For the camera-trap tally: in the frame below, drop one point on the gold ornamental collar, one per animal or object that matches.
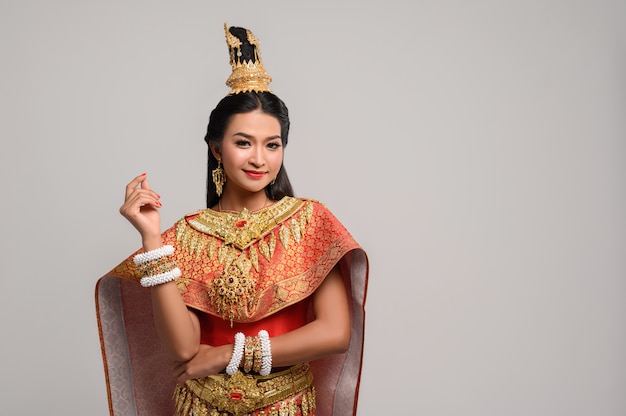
(241, 229)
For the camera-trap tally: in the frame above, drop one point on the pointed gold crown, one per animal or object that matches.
(247, 75)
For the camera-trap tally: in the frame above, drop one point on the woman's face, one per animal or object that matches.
(251, 152)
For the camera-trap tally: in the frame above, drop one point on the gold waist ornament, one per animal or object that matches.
(242, 394)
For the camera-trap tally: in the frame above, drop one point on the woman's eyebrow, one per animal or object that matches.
(249, 136)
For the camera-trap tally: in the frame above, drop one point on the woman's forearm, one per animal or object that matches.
(308, 343)
(177, 327)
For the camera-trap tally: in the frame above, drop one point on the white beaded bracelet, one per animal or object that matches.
(266, 353)
(155, 254)
(159, 279)
(235, 359)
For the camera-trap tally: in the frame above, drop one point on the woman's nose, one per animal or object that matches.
(256, 158)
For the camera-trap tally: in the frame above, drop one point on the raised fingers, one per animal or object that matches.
(138, 195)
(134, 183)
(140, 186)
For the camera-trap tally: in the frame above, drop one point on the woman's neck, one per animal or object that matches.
(252, 202)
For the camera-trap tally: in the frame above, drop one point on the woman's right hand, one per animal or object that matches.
(141, 206)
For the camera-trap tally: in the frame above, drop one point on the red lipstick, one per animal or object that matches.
(254, 174)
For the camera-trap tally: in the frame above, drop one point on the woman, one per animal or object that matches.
(246, 293)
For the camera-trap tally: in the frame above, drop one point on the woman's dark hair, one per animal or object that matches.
(240, 103)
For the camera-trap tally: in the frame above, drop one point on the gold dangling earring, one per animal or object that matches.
(275, 177)
(219, 179)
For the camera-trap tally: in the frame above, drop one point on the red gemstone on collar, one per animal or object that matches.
(236, 396)
(241, 223)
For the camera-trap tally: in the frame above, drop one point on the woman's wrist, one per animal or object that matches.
(226, 354)
(152, 242)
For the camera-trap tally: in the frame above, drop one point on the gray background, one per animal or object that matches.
(474, 148)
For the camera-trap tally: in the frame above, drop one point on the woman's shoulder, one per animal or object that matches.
(319, 210)
(315, 205)
(312, 201)
(193, 214)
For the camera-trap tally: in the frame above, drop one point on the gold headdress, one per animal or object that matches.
(247, 75)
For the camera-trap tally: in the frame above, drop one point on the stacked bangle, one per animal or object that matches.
(159, 279)
(258, 356)
(155, 254)
(248, 357)
(156, 266)
(251, 354)
(235, 359)
(266, 353)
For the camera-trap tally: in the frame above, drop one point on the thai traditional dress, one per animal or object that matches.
(241, 272)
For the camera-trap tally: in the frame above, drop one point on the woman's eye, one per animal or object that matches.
(242, 143)
(273, 145)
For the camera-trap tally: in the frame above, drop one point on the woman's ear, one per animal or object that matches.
(216, 151)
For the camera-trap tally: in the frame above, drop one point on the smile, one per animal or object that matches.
(254, 174)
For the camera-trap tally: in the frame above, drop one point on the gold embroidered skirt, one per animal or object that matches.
(286, 393)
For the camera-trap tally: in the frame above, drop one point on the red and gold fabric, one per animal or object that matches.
(242, 272)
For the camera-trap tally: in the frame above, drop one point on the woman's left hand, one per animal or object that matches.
(208, 361)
